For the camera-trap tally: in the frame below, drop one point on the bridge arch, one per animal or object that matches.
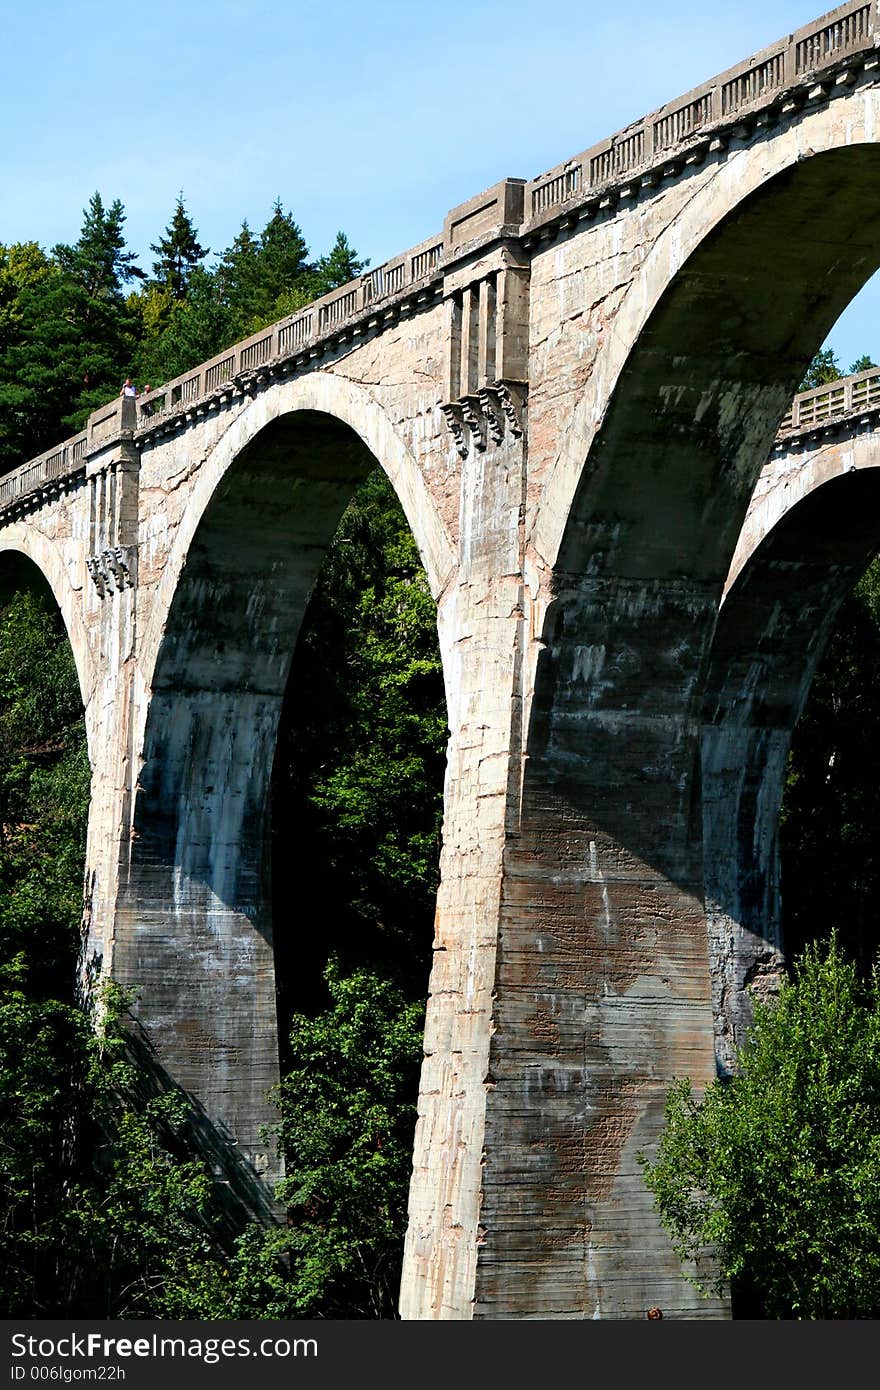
(603, 920)
(816, 293)
(337, 398)
(803, 467)
(801, 552)
(19, 538)
(193, 925)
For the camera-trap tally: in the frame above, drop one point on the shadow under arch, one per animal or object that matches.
(772, 631)
(604, 971)
(24, 550)
(194, 931)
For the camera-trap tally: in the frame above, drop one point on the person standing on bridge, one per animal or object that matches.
(128, 388)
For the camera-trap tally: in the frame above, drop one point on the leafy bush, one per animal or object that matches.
(773, 1178)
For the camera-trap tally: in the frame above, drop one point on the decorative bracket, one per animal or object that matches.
(512, 398)
(490, 400)
(115, 563)
(495, 410)
(471, 409)
(98, 576)
(110, 570)
(455, 422)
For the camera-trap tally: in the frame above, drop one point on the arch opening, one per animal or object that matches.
(829, 878)
(251, 885)
(44, 784)
(360, 760)
(773, 630)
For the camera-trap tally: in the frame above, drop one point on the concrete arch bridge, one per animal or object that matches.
(578, 391)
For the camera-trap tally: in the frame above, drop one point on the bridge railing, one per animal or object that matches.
(38, 473)
(847, 396)
(298, 333)
(827, 45)
(741, 90)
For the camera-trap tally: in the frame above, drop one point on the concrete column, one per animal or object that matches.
(480, 621)
(602, 982)
(193, 928)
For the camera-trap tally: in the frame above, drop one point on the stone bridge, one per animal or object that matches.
(576, 390)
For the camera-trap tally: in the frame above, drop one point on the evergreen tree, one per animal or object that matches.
(861, 364)
(99, 262)
(182, 333)
(823, 369)
(179, 252)
(340, 266)
(826, 368)
(73, 340)
(263, 278)
(23, 268)
(237, 276)
(283, 253)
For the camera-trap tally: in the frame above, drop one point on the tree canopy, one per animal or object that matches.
(73, 326)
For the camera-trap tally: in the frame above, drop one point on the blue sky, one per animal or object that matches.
(371, 118)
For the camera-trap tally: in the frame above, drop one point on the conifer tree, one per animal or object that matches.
(237, 276)
(74, 336)
(823, 369)
(262, 278)
(340, 266)
(179, 252)
(283, 253)
(99, 262)
(861, 364)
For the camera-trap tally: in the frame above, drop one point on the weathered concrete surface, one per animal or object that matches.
(572, 399)
(809, 534)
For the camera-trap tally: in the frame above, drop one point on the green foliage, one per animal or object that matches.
(260, 279)
(108, 1203)
(69, 332)
(180, 333)
(824, 368)
(44, 788)
(359, 772)
(348, 1107)
(22, 266)
(775, 1175)
(104, 1206)
(861, 364)
(108, 1208)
